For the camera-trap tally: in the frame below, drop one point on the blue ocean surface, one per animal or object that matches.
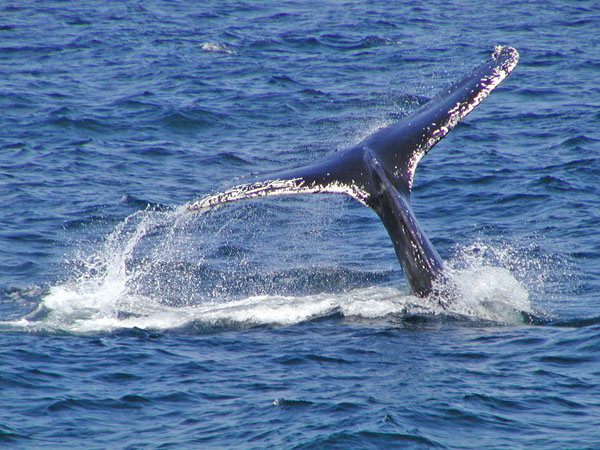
(127, 321)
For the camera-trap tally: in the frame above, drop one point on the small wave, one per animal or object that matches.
(282, 80)
(265, 43)
(375, 41)
(578, 141)
(284, 402)
(226, 159)
(370, 439)
(519, 198)
(347, 42)
(84, 123)
(216, 47)
(313, 92)
(308, 41)
(9, 435)
(577, 164)
(187, 119)
(574, 323)
(538, 92)
(277, 16)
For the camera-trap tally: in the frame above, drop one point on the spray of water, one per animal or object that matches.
(158, 270)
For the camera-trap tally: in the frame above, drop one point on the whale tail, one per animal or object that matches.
(379, 171)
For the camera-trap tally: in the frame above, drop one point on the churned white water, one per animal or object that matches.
(119, 286)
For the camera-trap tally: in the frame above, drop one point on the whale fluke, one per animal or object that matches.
(379, 171)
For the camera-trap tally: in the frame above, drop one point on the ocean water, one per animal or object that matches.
(128, 322)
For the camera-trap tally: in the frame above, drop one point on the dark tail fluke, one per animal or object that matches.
(379, 171)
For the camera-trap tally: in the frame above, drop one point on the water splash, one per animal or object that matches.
(157, 270)
(216, 47)
(498, 280)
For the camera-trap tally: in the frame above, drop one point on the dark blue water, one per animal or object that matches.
(128, 322)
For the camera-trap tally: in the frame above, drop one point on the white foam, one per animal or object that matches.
(217, 47)
(78, 312)
(492, 281)
(490, 293)
(104, 295)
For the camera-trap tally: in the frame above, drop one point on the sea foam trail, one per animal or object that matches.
(119, 286)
